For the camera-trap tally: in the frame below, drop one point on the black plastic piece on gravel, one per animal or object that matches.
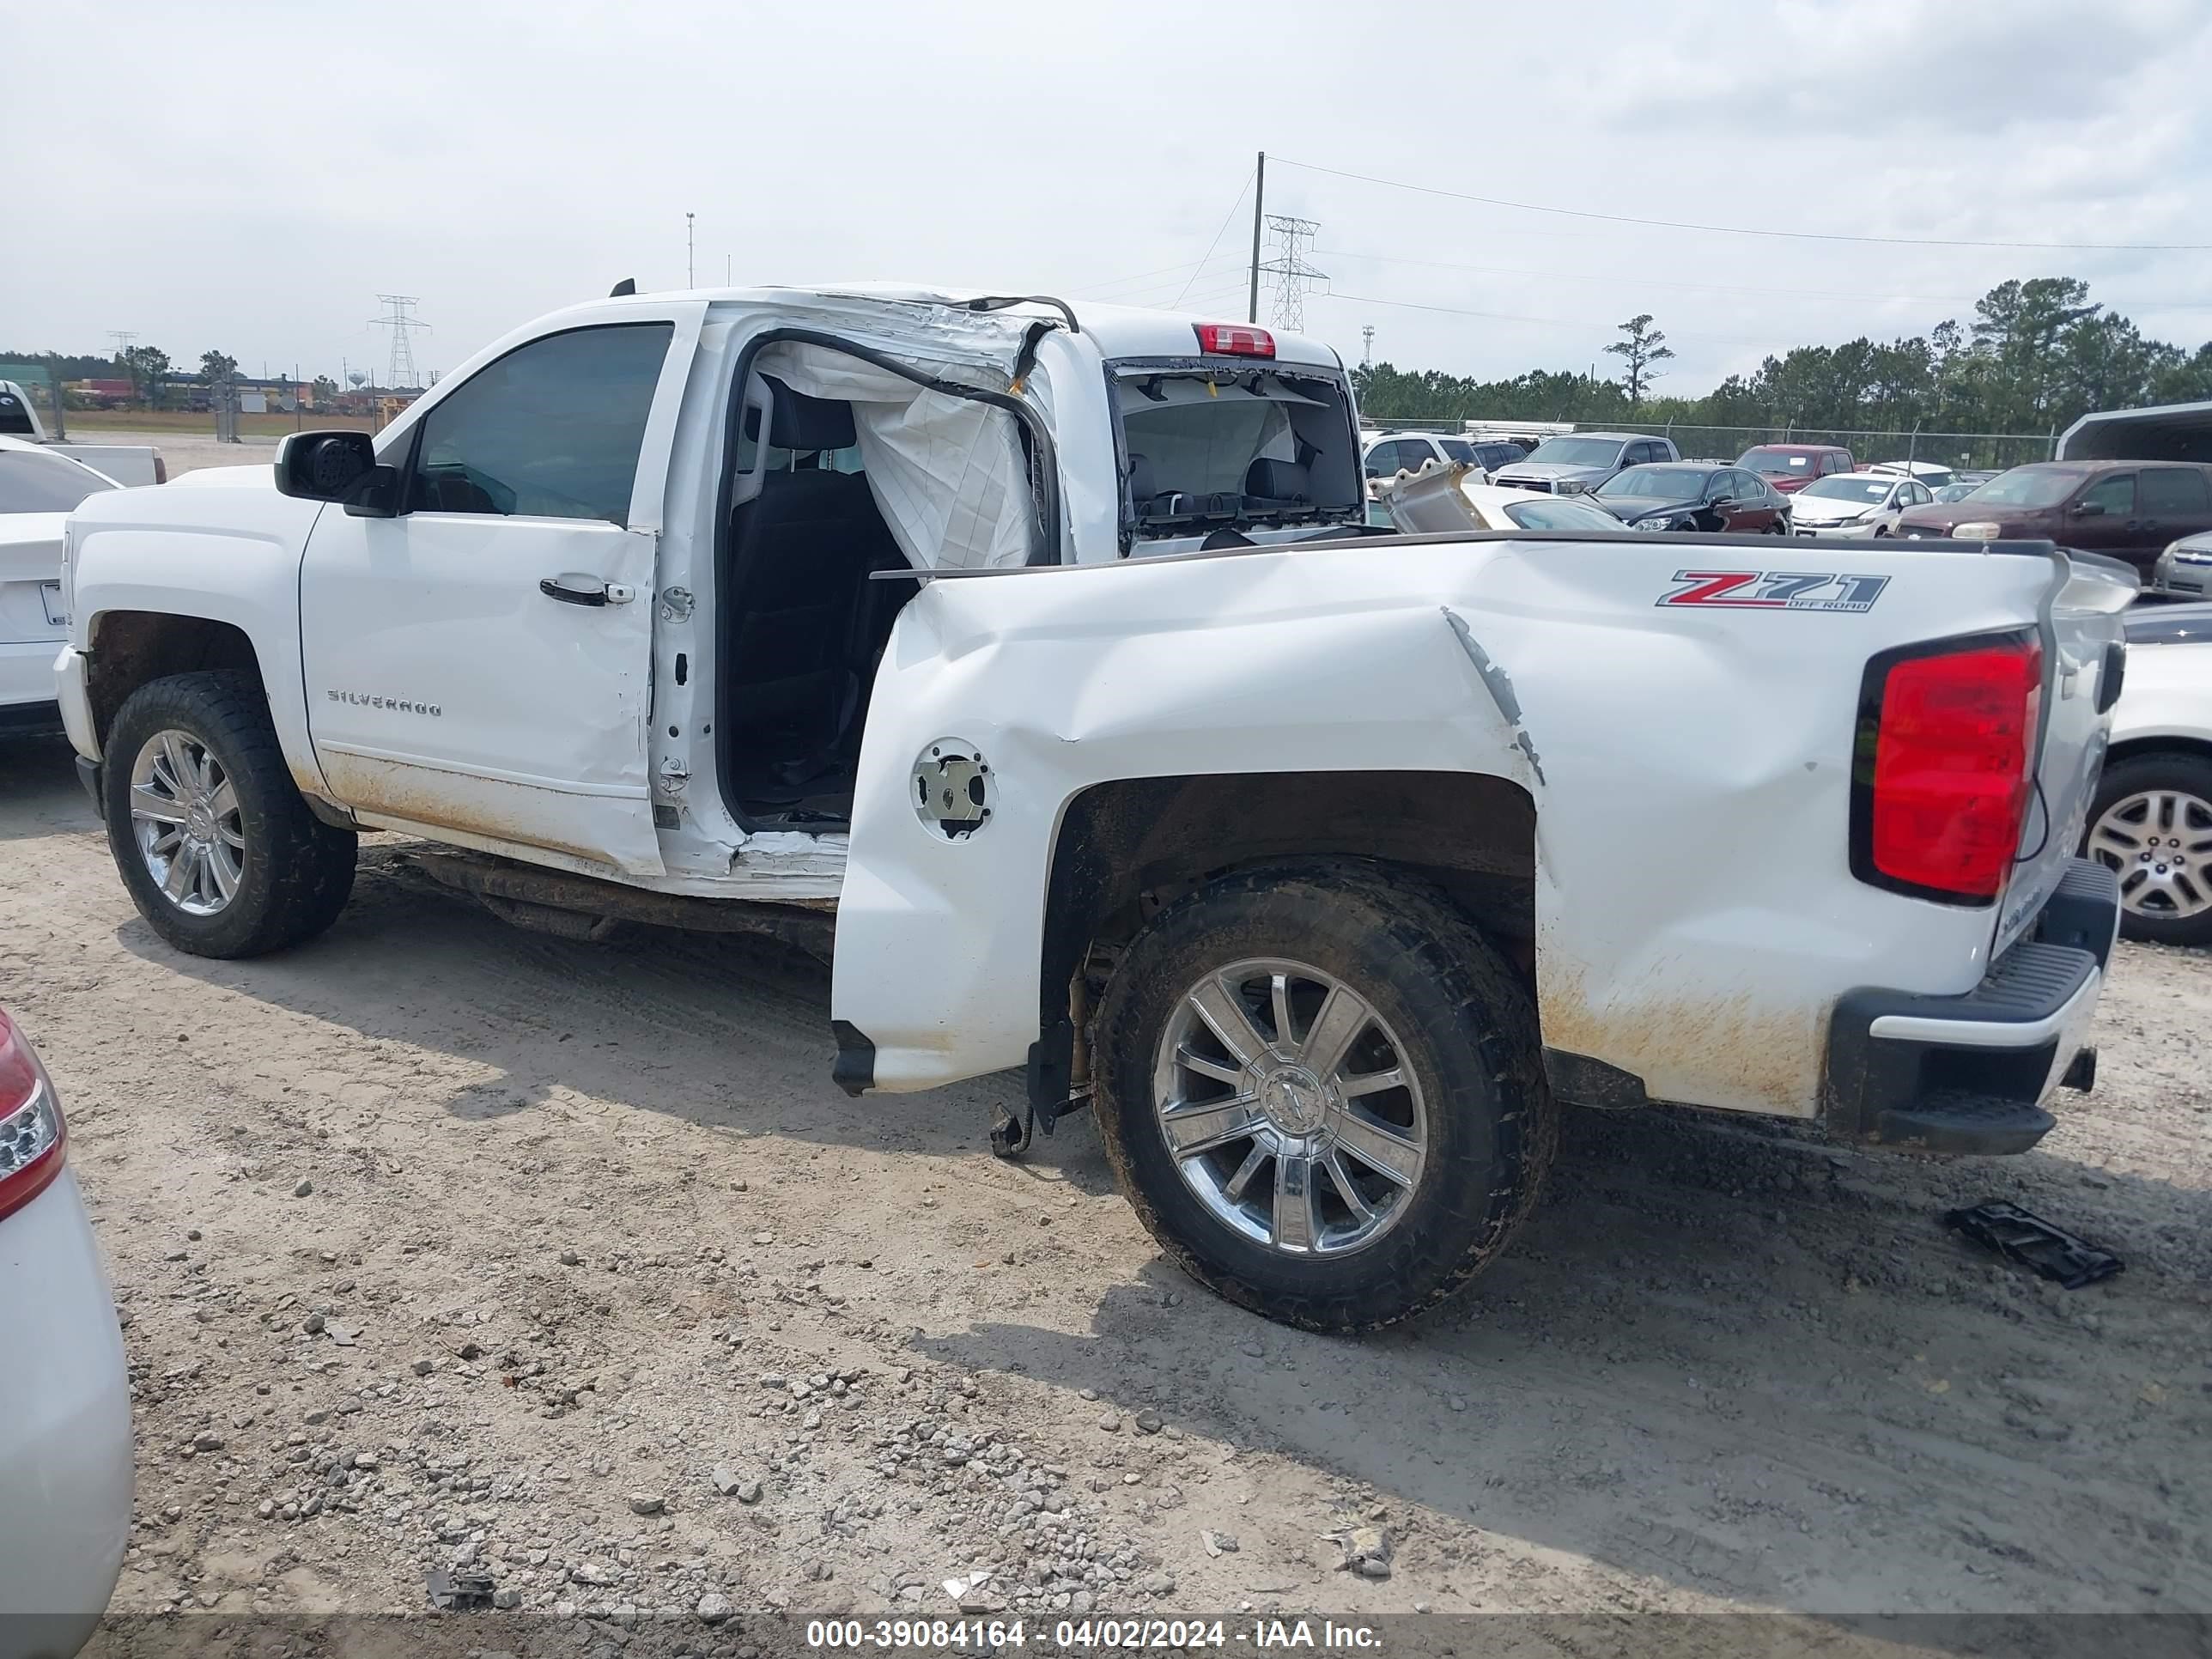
(2056, 1253)
(457, 1592)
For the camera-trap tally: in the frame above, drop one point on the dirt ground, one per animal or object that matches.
(442, 1245)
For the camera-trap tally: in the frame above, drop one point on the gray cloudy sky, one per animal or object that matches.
(249, 176)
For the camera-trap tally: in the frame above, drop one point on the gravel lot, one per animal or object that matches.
(183, 452)
(444, 1245)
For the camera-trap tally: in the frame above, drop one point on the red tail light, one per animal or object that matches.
(1946, 765)
(1234, 340)
(31, 1132)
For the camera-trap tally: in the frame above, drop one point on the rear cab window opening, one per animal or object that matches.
(1236, 443)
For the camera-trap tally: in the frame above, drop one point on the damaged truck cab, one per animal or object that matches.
(1035, 657)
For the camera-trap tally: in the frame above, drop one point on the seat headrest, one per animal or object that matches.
(798, 421)
(1278, 481)
(1141, 483)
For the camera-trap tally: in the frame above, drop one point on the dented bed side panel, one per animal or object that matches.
(1696, 913)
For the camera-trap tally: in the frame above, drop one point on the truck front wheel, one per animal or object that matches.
(217, 847)
(1323, 1093)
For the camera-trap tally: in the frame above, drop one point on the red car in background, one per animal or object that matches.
(1790, 467)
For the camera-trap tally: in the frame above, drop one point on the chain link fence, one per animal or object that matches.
(1993, 450)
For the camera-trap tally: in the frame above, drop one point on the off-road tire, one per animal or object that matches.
(297, 871)
(1465, 1025)
(2177, 770)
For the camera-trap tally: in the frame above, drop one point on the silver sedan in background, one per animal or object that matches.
(2185, 569)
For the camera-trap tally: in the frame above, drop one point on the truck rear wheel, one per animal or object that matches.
(216, 845)
(1323, 1093)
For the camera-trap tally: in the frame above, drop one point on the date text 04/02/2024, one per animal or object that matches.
(1078, 1636)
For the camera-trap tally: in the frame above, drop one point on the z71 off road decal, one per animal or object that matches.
(1775, 590)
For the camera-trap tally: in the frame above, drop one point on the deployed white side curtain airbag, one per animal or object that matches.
(947, 473)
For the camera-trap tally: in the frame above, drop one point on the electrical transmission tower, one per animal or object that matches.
(400, 319)
(1289, 268)
(123, 338)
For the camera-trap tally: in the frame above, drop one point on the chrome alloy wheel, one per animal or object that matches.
(2160, 841)
(184, 819)
(1287, 1106)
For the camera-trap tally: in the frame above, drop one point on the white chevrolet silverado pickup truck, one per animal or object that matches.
(1035, 657)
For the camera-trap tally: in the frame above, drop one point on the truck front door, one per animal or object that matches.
(479, 664)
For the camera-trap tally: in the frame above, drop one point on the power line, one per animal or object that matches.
(1149, 282)
(1210, 283)
(1139, 276)
(1742, 230)
(1216, 242)
(1508, 316)
(1723, 288)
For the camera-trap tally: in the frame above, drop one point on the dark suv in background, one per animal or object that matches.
(2127, 510)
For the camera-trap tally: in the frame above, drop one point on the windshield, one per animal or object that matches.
(1661, 483)
(1778, 463)
(1458, 449)
(1271, 447)
(1578, 452)
(1560, 512)
(2028, 486)
(31, 482)
(1849, 486)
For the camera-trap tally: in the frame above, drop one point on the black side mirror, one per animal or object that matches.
(338, 467)
(2089, 509)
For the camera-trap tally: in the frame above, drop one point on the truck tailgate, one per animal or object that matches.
(2083, 651)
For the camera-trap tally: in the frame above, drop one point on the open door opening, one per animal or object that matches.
(843, 462)
(803, 623)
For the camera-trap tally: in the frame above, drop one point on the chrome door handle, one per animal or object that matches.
(575, 587)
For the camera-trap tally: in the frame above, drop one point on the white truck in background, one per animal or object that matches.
(126, 464)
(39, 489)
(1035, 658)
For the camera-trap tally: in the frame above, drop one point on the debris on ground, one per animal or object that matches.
(2030, 1240)
(1363, 1550)
(459, 1592)
(973, 1593)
